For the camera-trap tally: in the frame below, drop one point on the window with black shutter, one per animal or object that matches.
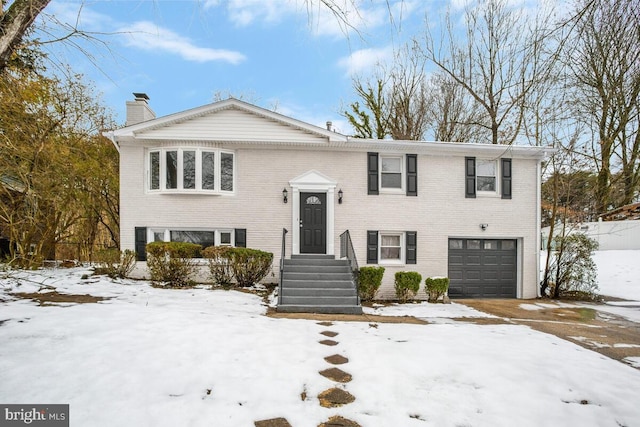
(411, 247)
(141, 243)
(412, 174)
(372, 247)
(506, 178)
(241, 237)
(470, 177)
(372, 174)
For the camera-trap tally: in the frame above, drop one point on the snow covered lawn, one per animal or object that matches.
(155, 357)
(619, 273)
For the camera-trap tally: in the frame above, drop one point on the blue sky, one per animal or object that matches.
(289, 55)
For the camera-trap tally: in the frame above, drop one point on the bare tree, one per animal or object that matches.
(14, 24)
(499, 62)
(408, 96)
(452, 114)
(371, 118)
(605, 71)
(394, 100)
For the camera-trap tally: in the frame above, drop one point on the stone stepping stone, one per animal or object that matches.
(325, 323)
(335, 397)
(338, 421)
(335, 374)
(328, 342)
(274, 422)
(336, 359)
(329, 333)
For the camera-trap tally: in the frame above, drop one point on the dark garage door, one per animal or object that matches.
(482, 268)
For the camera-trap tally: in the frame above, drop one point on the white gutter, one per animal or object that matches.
(112, 138)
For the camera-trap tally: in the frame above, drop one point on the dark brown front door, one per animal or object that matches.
(313, 223)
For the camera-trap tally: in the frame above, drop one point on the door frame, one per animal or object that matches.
(312, 182)
(304, 195)
(519, 256)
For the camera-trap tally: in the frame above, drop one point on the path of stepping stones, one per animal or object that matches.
(335, 396)
(331, 398)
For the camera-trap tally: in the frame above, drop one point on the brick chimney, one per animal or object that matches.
(138, 110)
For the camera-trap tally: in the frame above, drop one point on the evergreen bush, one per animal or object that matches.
(436, 287)
(219, 258)
(407, 284)
(574, 273)
(369, 281)
(249, 266)
(172, 263)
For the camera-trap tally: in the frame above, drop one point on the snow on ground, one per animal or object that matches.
(159, 357)
(425, 310)
(619, 273)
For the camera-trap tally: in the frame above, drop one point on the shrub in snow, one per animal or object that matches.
(407, 284)
(436, 287)
(219, 258)
(114, 263)
(572, 271)
(249, 266)
(172, 263)
(369, 281)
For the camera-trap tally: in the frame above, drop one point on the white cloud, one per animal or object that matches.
(148, 36)
(346, 17)
(243, 13)
(362, 60)
(349, 17)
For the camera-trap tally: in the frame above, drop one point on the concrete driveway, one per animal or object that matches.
(611, 328)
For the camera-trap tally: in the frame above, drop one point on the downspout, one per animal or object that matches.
(112, 139)
(538, 223)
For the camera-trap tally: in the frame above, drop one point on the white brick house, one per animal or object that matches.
(218, 174)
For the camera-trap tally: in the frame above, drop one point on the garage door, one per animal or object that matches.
(482, 268)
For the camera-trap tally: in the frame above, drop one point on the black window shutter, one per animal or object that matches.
(411, 247)
(372, 247)
(372, 173)
(412, 174)
(241, 237)
(506, 178)
(141, 243)
(470, 177)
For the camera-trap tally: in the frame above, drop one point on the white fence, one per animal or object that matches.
(610, 235)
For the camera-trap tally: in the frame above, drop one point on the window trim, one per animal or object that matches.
(162, 182)
(403, 174)
(495, 191)
(403, 248)
(503, 175)
(166, 232)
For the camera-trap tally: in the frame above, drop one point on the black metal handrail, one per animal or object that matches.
(347, 251)
(283, 254)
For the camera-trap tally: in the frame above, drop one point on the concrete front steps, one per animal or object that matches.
(318, 284)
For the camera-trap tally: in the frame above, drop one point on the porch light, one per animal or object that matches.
(285, 193)
(340, 196)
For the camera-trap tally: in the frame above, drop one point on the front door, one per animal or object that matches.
(313, 223)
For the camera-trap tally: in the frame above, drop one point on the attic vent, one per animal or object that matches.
(329, 125)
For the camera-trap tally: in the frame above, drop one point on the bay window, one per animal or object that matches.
(191, 170)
